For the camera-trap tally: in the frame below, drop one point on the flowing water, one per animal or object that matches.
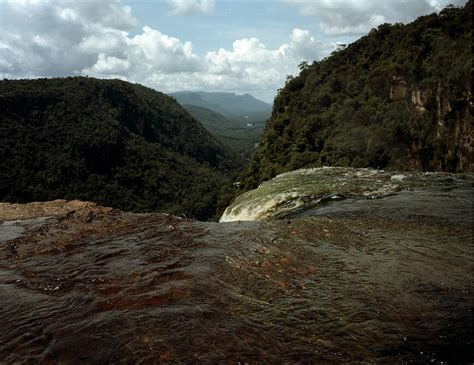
(290, 194)
(376, 269)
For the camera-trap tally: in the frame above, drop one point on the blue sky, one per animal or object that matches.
(269, 21)
(174, 45)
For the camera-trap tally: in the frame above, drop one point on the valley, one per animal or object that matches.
(237, 121)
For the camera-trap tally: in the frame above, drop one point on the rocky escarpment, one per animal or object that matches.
(399, 98)
(452, 117)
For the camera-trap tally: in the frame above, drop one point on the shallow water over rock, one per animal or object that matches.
(95, 285)
(339, 189)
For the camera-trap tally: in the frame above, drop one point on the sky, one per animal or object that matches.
(237, 46)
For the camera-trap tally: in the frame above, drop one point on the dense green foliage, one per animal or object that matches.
(108, 141)
(240, 136)
(235, 107)
(397, 98)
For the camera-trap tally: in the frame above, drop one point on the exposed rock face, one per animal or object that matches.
(398, 88)
(436, 101)
(9, 211)
(419, 99)
(465, 134)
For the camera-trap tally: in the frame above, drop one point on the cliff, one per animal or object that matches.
(398, 98)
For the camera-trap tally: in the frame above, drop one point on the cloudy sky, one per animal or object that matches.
(171, 45)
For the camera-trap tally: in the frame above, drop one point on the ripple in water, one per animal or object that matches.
(346, 286)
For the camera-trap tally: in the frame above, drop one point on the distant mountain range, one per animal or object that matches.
(242, 137)
(236, 120)
(236, 107)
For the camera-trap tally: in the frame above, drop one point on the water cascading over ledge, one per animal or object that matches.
(327, 189)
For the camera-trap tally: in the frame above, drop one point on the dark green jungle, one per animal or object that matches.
(108, 141)
(399, 98)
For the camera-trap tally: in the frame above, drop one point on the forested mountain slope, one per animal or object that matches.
(398, 98)
(112, 142)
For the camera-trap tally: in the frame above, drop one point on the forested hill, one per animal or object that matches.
(109, 141)
(397, 98)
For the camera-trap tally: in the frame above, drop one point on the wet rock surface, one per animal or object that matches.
(11, 211)
(96, 285)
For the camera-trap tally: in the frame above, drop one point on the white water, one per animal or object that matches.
(310, 188)
(258, 209)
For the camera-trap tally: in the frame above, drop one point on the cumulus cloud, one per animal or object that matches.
(46, 39)
(164, 53)
(109, 41)
(340, 17)
(42, 38)
(107, 65)
(61, 38)
(250, 64)
(192, 7)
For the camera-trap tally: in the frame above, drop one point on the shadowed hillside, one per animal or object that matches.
(118, 144)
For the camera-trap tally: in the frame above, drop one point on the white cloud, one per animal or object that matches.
(250, 54)
(335, 28)
(164, 53)
(47, 39)
(306, 47)
(339, 17)
(108, 65)
(61, 38)
(106, 13)
(192, 7)
(440, 4)
(109, 41)
(251, 66)
(43, 38)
